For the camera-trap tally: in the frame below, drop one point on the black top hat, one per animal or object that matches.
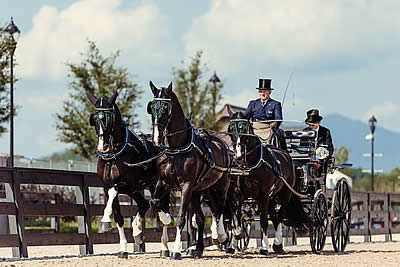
(264, 84)
(313, 116)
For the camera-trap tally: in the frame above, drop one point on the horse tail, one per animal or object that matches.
(297, 217)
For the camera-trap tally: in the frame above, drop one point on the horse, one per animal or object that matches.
(117, 144)
(270, 170)
(193, 164)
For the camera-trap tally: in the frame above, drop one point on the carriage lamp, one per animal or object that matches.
(372, 122)
(13, 33)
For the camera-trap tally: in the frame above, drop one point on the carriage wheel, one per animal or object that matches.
(244, 242)
(320, 222)
(341, 215)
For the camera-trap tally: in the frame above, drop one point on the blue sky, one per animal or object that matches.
(344, 54)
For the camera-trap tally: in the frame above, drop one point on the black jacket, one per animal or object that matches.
(325, 138)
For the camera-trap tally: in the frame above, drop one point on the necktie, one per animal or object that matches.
(263, 103)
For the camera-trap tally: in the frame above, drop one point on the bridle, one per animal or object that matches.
(241, 126)
(109, 115)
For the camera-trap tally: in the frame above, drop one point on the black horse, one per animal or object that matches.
(116, 145)
(268, 169)
(193, 164)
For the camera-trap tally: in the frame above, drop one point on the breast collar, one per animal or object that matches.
(114, 155)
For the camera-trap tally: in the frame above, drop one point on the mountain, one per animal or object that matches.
(351, 134)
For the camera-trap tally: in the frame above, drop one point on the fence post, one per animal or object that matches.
(55, 221)
(84, 222)
(16, 223)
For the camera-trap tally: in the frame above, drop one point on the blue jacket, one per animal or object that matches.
(272, 110)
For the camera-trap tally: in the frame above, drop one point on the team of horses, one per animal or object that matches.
(179, 158)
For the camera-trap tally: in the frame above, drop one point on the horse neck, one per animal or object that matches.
(119, 130)
(177, 122)
(255, 154)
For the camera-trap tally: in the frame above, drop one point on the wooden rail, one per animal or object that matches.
(372, 213)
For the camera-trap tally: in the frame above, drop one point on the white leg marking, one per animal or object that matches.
(178, 243)
(122, 239)
(165, 218)
(164, 239)
(221, 229)
(264, 243)
(137, 225)
(214, 230)
(112, 193)
(236, 226)
(194, 223)
(278, 235)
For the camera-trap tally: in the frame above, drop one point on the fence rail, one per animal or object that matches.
(372, 213)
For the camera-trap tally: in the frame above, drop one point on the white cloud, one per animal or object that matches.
(59, 36)
(383, 111)
(237, 34)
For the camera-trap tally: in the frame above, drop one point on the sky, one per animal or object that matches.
(344, 55)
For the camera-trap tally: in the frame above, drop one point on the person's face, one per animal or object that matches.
(314, 126)
(264, 94)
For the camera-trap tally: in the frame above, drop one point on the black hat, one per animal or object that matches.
(313, 116)
(264, 84)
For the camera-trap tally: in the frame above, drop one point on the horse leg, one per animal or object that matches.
(137, 224)
(105, 222)
(277, 246)
(166, 219)
(263, 207)
(180, 221)
(120, 225)
(200, 221)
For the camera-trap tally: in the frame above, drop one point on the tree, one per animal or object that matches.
(5, 105)
(198, 99)
(100, 77)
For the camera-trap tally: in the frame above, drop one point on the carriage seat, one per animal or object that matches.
(301, 144)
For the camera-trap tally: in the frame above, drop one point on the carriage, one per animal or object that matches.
(312, 165)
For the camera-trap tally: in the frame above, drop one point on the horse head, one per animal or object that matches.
(105, 120)
(160, 108)
(239, 124)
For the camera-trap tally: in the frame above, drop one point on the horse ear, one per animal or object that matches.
(149, 108)
(91, 120)
(91, 98)
(230, 112)
(169, 89)
(114, 97)
(153, 89)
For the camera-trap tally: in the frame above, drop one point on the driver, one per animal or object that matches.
(263, 109)
(323, 134)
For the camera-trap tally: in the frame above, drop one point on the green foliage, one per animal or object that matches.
(200, 99)
(5, 77)
(100, 77)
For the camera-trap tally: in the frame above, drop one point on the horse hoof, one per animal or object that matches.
(123, 255)
(138, 239)
(222, 238)
(230, 250)
(197, 254)
(164, 253)
(176, 256)
(264, 252)
(105, 226)
(278, 249)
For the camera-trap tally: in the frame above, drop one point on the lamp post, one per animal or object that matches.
(14, 33)
(214, 79)
(372, 122)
